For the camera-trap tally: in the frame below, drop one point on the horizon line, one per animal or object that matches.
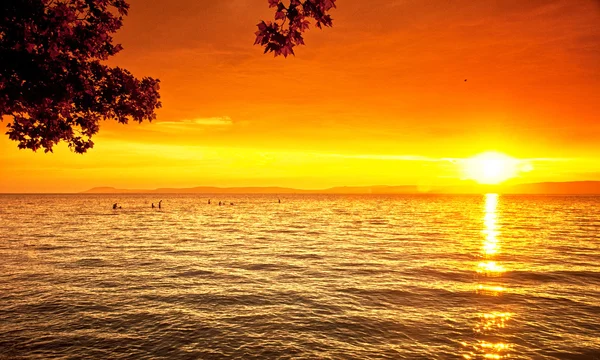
(468, 188)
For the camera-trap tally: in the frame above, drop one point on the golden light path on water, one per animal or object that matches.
(490, 322)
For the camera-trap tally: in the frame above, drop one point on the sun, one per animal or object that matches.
(491, 168)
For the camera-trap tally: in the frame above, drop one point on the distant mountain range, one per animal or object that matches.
(548, 188)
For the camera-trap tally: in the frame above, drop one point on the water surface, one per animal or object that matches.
(315, 277)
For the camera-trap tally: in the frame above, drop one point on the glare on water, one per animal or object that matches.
(490, 322)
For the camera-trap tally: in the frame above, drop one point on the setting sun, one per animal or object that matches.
(491, 168)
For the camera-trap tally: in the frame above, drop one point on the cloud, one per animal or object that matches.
(210, 121)
(384, 157)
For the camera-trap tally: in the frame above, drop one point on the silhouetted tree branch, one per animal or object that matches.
(52, 80)
(279, 37)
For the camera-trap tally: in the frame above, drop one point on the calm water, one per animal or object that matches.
(315, 277)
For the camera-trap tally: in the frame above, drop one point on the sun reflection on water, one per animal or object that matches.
(489, 270)
(490, 290)
(488, 350)
(491, 321)
(490, 246)
(489, 267)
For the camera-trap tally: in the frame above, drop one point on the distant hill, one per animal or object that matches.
(572, 188)
(543, 188)
(260, 190)
(198, 190)
(548, 188)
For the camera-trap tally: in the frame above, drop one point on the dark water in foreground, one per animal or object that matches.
(315, 277)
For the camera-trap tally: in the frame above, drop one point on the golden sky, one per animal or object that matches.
(380, 98)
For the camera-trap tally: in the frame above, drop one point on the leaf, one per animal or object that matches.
(280, 15)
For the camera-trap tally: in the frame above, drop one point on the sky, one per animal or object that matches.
(379, 99)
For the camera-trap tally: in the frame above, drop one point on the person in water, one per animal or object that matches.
(208, 201)
(115, 206)
(159, 204)
(153, 205)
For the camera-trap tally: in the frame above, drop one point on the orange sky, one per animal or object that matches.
(380, 98)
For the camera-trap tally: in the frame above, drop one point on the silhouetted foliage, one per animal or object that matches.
(52, 80)
(291, 22)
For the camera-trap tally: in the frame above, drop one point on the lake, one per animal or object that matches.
(313, 277)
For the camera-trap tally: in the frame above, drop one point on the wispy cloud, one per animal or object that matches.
(426, 158)
(384, 157)
(210, 121)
